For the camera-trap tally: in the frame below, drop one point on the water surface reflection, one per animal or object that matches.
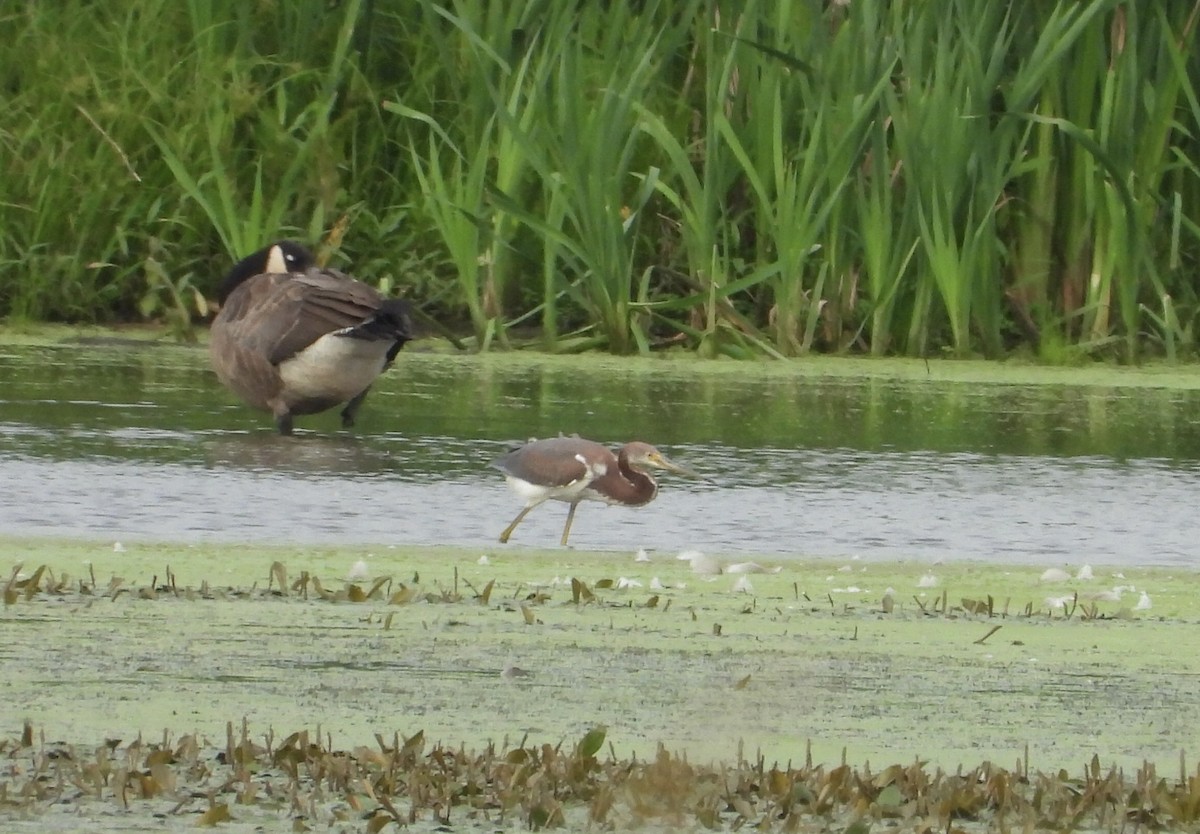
(142, 443)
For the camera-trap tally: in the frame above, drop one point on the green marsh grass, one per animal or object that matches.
(805, 144)
(887, 178)
(588, 159)
(700, 174)
(460, 153)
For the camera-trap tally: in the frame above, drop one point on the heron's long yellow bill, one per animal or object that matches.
(663, 462)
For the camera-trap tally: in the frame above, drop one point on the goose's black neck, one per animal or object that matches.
(290, 257)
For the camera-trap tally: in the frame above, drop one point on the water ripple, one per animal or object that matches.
(854, 504)
(832, 468)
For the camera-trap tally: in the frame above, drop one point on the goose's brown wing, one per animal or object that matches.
(277, 316)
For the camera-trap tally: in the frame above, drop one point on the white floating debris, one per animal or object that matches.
(556, 582)
(118, 547)
(484, 560)
(358, 571)
(1059, 602)
(751, 567)
(1084, 573)
(927, 581)
(705, 565)
(1143, 603)
(641, 555)
(849, 589)
(889, 591)
(625, 582)
(845, 569)
(1055, 575)
(743, 586)
(1107, 596)
(656, 585)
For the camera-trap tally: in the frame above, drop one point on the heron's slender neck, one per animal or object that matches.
(627, 485)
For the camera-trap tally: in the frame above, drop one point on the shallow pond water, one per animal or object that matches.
(905, 461)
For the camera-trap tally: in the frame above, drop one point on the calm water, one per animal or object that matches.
(123, 443)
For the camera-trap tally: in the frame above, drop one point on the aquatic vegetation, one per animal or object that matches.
(306, 777)
(44, 582)
(637, 657)
(905, 179)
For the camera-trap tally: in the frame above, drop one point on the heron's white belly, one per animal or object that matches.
(536, 493)
(333, 367)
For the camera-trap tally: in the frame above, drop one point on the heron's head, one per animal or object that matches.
(644, 456)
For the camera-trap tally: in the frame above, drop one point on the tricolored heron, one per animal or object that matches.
(293, 338)
(572, 469)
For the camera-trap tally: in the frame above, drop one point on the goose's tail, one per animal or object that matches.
(392, 321)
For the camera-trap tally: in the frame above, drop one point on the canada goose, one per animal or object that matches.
(292, 338)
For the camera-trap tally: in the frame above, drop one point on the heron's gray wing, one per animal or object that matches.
(558, 461)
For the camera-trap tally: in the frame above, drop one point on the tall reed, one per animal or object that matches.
(972, 177)
(589, 160)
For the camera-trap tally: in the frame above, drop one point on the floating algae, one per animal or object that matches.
(487, 660)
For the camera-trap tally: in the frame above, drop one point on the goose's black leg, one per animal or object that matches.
(351, 409)
(283, 421)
